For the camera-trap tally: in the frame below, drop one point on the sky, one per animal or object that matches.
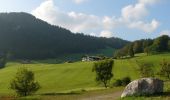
(126, 19)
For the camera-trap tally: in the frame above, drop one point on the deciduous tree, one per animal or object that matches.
(103, 71)
(24, 83)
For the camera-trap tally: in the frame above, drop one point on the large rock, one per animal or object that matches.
(144, 86)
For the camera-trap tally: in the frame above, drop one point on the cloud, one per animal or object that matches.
(134, 14)
(76, 22)
(131, 17)
(79, 1)
(146, 27)
(83, 22)
(137, 11)
(165, 32)
(106, 33)
(110, 22)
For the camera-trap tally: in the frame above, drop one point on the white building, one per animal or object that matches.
(91, 58)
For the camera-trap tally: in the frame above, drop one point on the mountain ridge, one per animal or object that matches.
(27, 37)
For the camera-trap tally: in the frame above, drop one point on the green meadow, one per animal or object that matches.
(77, 76)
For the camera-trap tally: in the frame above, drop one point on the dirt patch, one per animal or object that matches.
(110, 96)
(7, 98)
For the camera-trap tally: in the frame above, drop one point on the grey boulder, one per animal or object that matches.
(143, 86)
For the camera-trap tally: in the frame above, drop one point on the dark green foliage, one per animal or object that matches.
(27, 37)
(119, 54)
(138, 46)
(122, 82)
(103, 71)
(130, 51)
(3, 60)
(165, 69)
(118, 82)
(153, 49)
(160, 44)
(147, 43)
(24, 83)
(147, 50)
(169, 45)
(125, 51)
(145, 69)
(126, 81)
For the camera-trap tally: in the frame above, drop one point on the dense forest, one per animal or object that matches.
(23, 36)
(148, 46)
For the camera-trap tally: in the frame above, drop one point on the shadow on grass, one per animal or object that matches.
(164, 94)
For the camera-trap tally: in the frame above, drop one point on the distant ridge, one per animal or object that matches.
(26, 37)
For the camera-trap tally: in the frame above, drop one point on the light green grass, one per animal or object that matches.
(147, 98)
(67, 77)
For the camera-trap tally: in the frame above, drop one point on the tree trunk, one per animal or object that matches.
(105, 84)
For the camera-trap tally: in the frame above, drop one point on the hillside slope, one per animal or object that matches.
(24, 36)
(74, 76)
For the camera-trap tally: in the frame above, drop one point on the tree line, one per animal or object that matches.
(148, 46)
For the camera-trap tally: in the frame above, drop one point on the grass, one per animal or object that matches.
(77, 57)
(146, 98)
(74, 77)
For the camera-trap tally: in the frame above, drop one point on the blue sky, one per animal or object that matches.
(127, 19)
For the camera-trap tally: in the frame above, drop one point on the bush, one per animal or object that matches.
(122, 82)
(145, 69)
(118, 82)
(126, 81)
(165, 69)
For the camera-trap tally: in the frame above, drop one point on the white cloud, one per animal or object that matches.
(92, 34)
(134, 14)
(131, 17)
(137, 11)
(82, 22)
(146, 27)
(165, 32)
(110, 23)
(76, 22)
(106, 34)
(79, 1)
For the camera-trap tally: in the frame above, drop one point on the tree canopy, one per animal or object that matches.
(149, 46)
(24, 83)
(103, 71)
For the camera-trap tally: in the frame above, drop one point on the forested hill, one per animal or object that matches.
(24, 36)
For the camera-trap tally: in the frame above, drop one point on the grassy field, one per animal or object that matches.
(77, 57)
(74, 77)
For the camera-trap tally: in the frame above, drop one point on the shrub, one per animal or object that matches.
(122, 82)
(145, 69)
(165, 69)
(118, 82)
(126, 81)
